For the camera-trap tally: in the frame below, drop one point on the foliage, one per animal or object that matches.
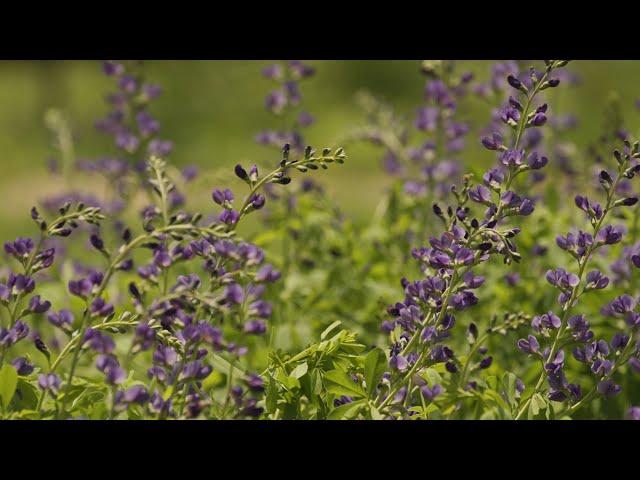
(129, 305)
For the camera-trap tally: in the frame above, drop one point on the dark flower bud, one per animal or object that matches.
(133, 290)
(437, 210)
(485, 246)
(472, 332)
(514, 82)
(605, 178)
(241, 172)
(515, 104)
(257, 201)
(253, 173)
(40, 345)
(539, 119)
(486, 362)
(536, 162)
(97, 242)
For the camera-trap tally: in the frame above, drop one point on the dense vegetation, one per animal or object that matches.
(508, 293)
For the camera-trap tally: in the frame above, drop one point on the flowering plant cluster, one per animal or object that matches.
(470, 293)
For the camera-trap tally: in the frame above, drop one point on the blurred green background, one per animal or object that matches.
(213, 109)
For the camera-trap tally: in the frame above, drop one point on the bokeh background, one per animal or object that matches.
(213, 109)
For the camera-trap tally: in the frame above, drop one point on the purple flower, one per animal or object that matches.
(22, 366)
(493, 178)
(49, 382)
(108, 364)
(274, 72)
(20, 248)
(622, 305)
(230, 217)
(111, 69)
(276, 101)
(196, 370)
(493, 143)
(596, 280)
(536, 161)
(619, 341)
(81, 288)
(144, 336)
(546, 321)
(189, 173)
(164, 355)
(234, 294)
(255, 382)
(608, 388)
(13, 335)
(510, 116)
(222, 197)
(255, 327)
(633, 413)
(267, 274)
(20, 284)
(128, 84)
(136, 394)
(431, 393)
(99, 341)
(512, 158)
(610, 235)
(529, 346)
(160, 148)
(485, 362)
(480, 194)
(100, 308)
(38, 306)
(526, 207)
(427, 119)
(305, 119)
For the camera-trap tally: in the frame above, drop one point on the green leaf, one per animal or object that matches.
(375, 413)
(347, 411)
(8, 384)
(26, 396)
(340, 383)
(300, 371)
(537, 403)
(431, 376)
(375, 364)
(509, 384)
(225, 366)
(328, 330)
(271, 396)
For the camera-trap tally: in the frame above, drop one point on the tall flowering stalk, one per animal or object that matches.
(566, 329)
(422, 321)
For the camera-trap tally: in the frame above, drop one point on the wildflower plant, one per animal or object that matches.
(130, 305)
